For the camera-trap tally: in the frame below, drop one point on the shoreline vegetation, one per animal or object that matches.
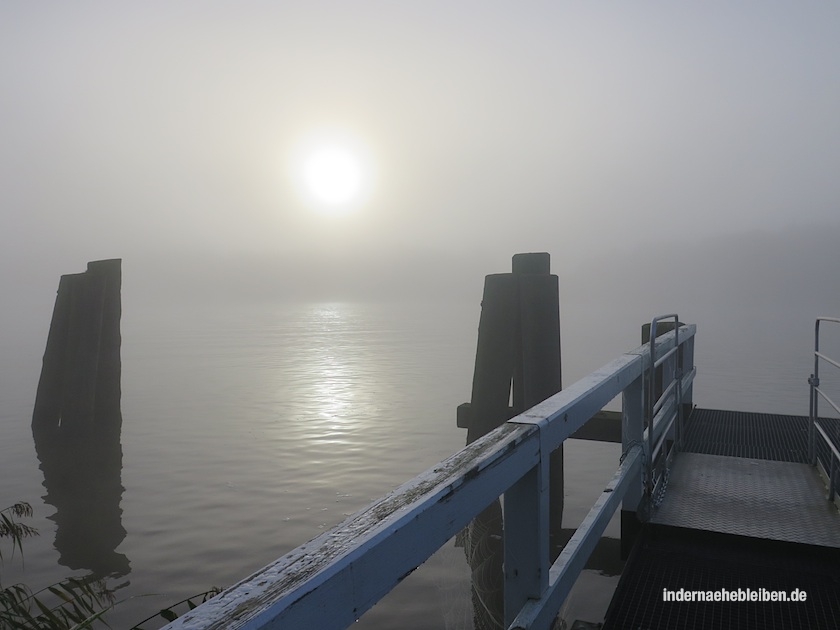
(74, 603)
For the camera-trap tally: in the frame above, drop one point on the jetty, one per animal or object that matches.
(728, 519)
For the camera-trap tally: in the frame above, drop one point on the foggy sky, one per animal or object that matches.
(159, 132)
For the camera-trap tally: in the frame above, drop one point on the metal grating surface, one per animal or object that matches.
(742, 510)
(756, 498)
(673, 559)
(744, 434)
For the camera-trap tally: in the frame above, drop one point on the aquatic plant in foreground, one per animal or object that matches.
(74, 603)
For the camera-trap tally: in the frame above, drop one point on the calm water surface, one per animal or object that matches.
(247, 431)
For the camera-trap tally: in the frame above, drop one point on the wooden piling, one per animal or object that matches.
(76, 421)
(79, 388)
(109, 372)
(538, 371)
(517, 366)
(518, 351)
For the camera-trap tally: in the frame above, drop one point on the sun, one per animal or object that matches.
(333, 175)
(333, 171)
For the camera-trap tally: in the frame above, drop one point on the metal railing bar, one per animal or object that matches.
(686, 331)
(828, 473)
(661, 439)
(571, 561)
(827, 399)
(811, 419)
(659, 318)
(650, 378)
(827, 439)
(661, 426)
(658, 427)
(825, 358)
(664, 397)
(814, 382)
(661, 423)
(665, 357)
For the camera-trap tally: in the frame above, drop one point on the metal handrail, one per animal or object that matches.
(827, 398)
(663, 398)
(653, 406)
(836, 456)
(825, 358)
(815, 428)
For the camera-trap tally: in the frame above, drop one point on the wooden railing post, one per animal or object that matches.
(632, 429)
(526, 539)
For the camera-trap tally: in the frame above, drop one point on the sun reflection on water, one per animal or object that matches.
(336, 384)
(326, 390)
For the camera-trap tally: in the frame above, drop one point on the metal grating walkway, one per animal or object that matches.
(668, 558)
(756, 498)
(743, 434)
(741, 510)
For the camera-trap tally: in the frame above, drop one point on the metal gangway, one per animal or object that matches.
(750, 511)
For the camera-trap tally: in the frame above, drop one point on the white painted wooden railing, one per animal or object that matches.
(333, 579)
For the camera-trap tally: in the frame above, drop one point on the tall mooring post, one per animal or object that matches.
(77, 420)
(79, 389)
(517, 365)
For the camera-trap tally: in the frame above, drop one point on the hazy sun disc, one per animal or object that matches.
(333, 175)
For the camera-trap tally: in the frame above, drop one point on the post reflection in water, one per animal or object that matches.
(82, 477)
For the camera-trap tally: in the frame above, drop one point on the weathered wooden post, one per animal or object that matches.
(517, 365)
(77, 419)
(632, 430)
(79, 388)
